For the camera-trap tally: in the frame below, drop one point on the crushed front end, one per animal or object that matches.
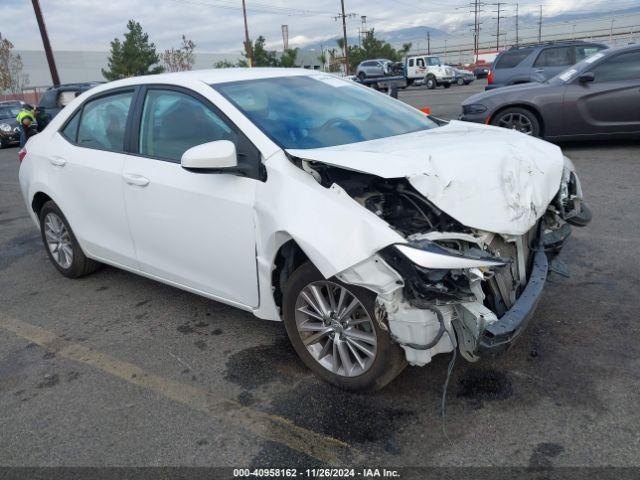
(452, 286)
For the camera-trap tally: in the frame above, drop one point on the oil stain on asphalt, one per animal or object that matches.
(350, 417)
(479, 385)
(256, 366)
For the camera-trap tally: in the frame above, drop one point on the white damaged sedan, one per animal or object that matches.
(378, 235)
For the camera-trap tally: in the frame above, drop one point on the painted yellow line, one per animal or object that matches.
(266, 426)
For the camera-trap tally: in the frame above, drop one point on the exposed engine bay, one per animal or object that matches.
(451, 286)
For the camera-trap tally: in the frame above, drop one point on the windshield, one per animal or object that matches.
(321, 111)
(434, 61)
(571, 72)
(9, 112)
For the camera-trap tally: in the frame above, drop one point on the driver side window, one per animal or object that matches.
(173, 122)
(620, 68)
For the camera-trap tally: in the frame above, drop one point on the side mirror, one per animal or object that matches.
(217, 155)
(587, 77)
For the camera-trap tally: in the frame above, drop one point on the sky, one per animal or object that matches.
(217, 26)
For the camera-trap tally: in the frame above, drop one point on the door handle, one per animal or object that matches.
(58, 161)
(134, 179)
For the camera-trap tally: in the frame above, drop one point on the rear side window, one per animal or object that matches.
(584, 51)
(411, 62)
(70, 131)
(173, 122)
(555, 57)
(620, 68)
(104, 121)
(512, 58)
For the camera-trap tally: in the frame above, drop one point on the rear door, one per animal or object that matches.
(194, 230)
(552, 61)
(611, 103)
(85, 173)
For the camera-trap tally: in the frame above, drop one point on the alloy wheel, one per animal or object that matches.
(516, 121)
(335, 328)
(58, 240)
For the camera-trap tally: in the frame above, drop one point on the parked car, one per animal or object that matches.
(55, 99)
(9, 128)
(597, 98)
(373, 68)
(302, 197)
(481, 71)
(463, 77)
(537, 63)
(428, 70)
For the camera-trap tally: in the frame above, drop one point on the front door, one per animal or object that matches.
(195, 230)
(611, 103)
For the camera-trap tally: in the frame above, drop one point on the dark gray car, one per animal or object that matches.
(537, 63)
(598, 97)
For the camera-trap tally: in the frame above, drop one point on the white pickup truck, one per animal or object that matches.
(429, 70)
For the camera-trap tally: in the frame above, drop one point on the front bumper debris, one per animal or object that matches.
(498, 337)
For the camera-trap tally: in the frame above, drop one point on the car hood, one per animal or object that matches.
(485, 177)
(509, 89)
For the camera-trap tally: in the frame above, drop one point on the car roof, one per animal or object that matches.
(210, 76)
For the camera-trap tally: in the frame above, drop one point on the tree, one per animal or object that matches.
(289, 57)
(181, 58)
(261, 56)
(11, 76)
(134, 56)
(224, 64)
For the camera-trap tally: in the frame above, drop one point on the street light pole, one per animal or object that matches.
(47, 46)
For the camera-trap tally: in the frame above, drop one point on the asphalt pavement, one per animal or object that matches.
(117, 370)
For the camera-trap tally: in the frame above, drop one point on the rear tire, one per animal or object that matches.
(362, 76)
(61, 244)
(461, 82)
(360, 371)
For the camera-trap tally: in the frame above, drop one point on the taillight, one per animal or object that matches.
(490, 77)
(22, 153)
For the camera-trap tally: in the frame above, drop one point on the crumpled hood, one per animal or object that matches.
(487, 178)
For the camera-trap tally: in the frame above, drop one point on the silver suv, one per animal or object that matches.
(537, 63)
(373, 68)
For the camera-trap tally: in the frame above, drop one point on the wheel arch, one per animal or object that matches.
(286, 260)
(38, 201)
(526, 106)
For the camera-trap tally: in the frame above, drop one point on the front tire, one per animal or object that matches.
(61, 244)
(333, 329)
(431, 83)
(520, 119)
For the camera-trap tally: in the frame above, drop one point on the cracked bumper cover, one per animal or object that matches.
(499, 336)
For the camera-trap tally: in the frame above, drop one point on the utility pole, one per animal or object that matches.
(344, 16)
(247, 43)
(517, 24)
(611, 31)
(363, 28)
(428, 43)
(285, 37)
(477, 9)
(47, 46)
(498, 18)
(540, 26)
